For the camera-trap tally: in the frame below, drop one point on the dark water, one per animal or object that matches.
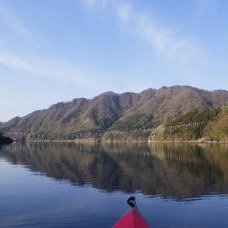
(72, 185)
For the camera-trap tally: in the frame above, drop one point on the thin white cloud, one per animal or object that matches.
(10, 60)
(93, 3)
(123, 11)
(165, 41)
(15, 23)
(81, 76)
(56, 70)
(89, 3)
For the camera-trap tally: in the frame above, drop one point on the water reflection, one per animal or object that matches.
(180, 171)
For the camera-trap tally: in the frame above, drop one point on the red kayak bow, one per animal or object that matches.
(133, 219)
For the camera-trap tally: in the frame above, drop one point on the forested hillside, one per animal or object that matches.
(127, 113)
(202, 125)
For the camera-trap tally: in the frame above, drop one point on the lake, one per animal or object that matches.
(87, 185)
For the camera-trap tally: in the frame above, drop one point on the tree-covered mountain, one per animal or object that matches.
(202, 125)
(118, 112)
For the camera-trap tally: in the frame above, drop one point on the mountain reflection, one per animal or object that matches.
(173, 170)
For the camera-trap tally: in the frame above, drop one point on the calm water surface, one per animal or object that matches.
(86, 185)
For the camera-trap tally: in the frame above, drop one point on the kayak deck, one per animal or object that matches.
(132, 219)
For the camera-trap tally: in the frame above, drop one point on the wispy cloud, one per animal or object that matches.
(16, 24)
(38, 65)
(165, 41)
(93, 3)
(56, 70)
(123, 11)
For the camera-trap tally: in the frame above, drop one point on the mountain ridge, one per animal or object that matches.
(123, 112)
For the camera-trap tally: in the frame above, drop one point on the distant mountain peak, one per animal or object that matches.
(124, 112)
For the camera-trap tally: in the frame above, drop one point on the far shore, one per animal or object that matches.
(127, 141)
(195, 142)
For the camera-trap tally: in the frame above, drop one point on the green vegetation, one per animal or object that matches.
(195, 117)
(135, 122)
(218, 131)
(127, 116)
(205, 125)
(64, 136)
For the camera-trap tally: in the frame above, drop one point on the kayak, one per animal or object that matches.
(133, 218)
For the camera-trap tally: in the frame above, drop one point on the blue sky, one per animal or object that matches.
(53, 50)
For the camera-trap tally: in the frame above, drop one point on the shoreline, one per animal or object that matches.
(126, 141)
(195, 142)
